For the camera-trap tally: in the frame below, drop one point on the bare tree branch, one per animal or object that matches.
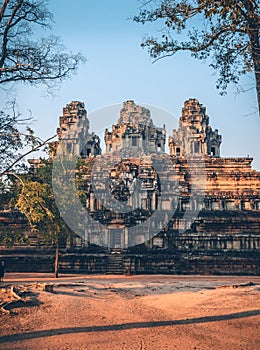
(34, 149)
(29, 61)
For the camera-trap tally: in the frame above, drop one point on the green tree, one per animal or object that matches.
(227, 31)
(36, 201)
(13, 224)
(26, 57)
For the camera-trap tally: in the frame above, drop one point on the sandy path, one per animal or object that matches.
(144, 312)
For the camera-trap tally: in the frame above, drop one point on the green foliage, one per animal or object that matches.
(13, 227)
(8, 194)
(10, 236)
(82, 179)
(226, 31)
(36, 201)
(32, 194)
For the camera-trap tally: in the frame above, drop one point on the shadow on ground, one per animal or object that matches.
(124, 326)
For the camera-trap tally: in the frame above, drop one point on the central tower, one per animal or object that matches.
(135, 129)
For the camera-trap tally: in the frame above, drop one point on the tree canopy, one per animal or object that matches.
(227, 31)
(37, 202)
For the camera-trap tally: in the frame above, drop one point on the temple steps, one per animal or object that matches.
(114, 263)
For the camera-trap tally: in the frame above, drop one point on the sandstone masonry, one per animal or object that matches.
(224, 193)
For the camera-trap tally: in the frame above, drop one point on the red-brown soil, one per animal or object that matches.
(133, 313)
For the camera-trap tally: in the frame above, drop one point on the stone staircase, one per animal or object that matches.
(115, 263)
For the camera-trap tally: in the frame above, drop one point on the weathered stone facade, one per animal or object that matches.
(135, 129)
(73, 133)
(225, 185)
(195, 135)
(135, 184)
(215, 201)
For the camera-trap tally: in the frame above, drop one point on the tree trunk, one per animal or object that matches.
(56, 264)
(256, 59)
(2, 11)
(257, 78)
(253, 33)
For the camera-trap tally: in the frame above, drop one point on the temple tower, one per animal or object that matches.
(73, 133)
(135, 130)
(194, 135)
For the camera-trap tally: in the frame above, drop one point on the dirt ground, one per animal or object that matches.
(133, 313)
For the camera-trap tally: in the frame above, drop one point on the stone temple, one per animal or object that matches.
(189, 211)
(194, 135)
(74, 134)
(135, 129)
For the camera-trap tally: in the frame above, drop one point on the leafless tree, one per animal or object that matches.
(24, 57)
(28, 58)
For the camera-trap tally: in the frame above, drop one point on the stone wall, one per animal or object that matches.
(135, 131)
(224, 193)
(194, 135)
(141, 261)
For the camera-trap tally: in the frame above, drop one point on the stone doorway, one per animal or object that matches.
(115, 238)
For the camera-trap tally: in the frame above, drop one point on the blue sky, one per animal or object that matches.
(118, 69)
